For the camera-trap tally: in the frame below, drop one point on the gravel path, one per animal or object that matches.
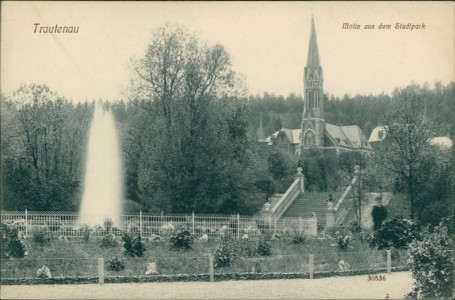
(355, 287)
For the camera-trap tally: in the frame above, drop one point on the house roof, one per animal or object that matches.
(378, 134)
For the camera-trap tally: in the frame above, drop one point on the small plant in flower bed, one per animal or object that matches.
(108, 241)
(343, 236)
(116, 264)
(181, 239)
(298, 238)
(132, 245)
(41, 236)
(226, 253)
(12, 243)
(265, 245)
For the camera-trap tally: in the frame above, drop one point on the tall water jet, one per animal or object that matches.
(103, 183)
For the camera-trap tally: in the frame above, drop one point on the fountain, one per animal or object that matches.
(103, 184)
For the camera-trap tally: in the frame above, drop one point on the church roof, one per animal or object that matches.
(348, 136)
(313, 51)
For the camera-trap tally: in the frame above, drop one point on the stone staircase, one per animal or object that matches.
(307, 203)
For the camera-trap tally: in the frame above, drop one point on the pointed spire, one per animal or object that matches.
(313, 51)
(260, 134)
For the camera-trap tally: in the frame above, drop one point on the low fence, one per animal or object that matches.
(185, 266)
(149, 225)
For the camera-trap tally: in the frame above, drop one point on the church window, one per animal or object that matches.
(310, 99)
(309, 138)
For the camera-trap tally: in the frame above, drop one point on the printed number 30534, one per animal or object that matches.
(376, 277)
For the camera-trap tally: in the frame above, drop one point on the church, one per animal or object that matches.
(314, 131)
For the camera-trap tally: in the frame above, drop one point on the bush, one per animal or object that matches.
(265, 245)
(343, 236)
(132, 245)
(431, 260)
(226, 253)
(298, 238)
(397, 233)
(12, 244)
(108, 241)
(116, 264)
(41, 236)
(181, 239)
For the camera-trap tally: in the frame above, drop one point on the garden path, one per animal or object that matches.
(353, 287)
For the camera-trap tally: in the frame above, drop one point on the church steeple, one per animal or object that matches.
(313, 123)
(313, 51)
(260, 136)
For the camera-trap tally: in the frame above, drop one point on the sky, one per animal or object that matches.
(267, 41)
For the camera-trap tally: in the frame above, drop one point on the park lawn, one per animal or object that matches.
(77, 258)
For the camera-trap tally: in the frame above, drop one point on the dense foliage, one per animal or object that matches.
(397, 233)
(431, 260)
(115, 264)
(41, 236)
(132, 245)
(12, 243)
(181, 239)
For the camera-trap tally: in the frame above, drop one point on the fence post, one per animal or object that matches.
(389, 261)
(211, 272)
(140, 223)
(311, 265)
(192, 220)
(26, 224)
(238, 225)
(100, 270)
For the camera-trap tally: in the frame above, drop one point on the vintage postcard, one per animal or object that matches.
(227, 150)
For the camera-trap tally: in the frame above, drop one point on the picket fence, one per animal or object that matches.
(149, 225)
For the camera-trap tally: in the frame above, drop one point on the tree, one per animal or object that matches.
(405, 150)
(196, 156)
(42, 149)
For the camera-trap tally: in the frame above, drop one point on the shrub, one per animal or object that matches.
(12, 244)
(431, 260)
(396, 233)
(181, 238)
(265, 245)
(245, 247)
(343, 236)
(116, 264)
(298, 238)
(108, 241)
(41, 236)
(226, 253)
(132, 245)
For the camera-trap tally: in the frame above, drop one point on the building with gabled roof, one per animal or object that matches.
(314, 131)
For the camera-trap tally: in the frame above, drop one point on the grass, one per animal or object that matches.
(76, 258)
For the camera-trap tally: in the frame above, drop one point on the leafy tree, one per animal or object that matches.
(195, 152)
(404, 151)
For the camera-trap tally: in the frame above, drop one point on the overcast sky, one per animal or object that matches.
(268, 43)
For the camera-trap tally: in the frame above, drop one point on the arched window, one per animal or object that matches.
(309, 138)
